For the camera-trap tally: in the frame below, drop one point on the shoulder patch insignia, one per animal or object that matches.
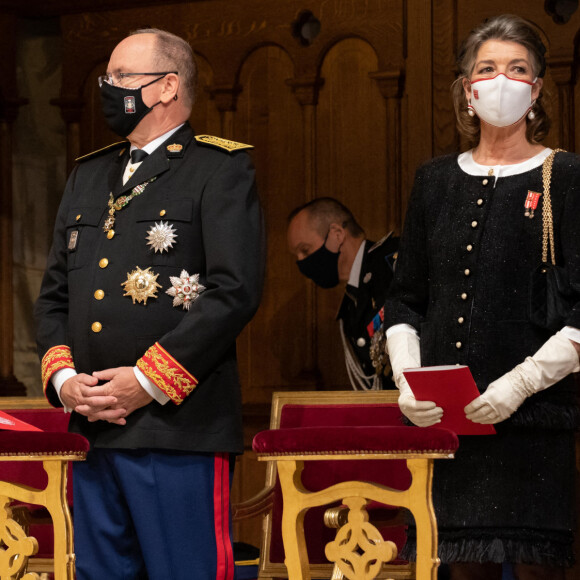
(106, 149)
(380, 242)
(221, 143)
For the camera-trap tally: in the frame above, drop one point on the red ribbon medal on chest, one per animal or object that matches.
(531, 203)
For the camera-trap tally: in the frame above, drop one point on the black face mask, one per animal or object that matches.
(124, 107)
(321, 267)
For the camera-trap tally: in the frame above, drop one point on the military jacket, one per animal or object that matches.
(361, 309)
(104, 300)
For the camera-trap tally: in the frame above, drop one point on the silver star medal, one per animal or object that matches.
(185, 289)
(161, 237)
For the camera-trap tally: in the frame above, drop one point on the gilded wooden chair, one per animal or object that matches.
(34, 472)
(348, 449)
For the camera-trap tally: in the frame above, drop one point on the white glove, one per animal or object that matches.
(404, 352)
(556, 359)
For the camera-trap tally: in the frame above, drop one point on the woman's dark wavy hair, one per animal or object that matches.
(507, 27)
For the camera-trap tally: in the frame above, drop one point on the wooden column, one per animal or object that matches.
(306, 91)
(9, 384)
(71, 109)
(225, 100)
(561, 71)
(391, 85)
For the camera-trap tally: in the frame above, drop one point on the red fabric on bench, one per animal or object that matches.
(369, 439)
(54, 439)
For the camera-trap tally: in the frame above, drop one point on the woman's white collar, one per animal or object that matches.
(469, 166)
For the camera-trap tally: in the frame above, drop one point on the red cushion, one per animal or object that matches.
(370, 439)
(38, 442)
(45, 419)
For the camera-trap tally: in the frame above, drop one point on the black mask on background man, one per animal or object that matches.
(321, 266)
(123, 107)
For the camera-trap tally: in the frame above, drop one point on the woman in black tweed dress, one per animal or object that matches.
(460, 296)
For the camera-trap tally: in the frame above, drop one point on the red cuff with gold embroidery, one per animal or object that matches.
(57, 358)
(167, 374)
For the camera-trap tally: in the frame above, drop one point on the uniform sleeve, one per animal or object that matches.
(51, 308)
(234, 246)
(408, 295)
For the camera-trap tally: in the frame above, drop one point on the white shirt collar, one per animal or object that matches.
(152, 145)
(149, 148)
(469, 166)
(356, 266)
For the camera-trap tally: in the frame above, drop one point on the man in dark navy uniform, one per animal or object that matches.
(156, 267)
(332, 247)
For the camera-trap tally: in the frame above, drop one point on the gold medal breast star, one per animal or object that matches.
(141, 285)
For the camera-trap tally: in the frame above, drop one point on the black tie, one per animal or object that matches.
(137, 155)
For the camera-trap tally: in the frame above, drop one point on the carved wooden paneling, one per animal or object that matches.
(9, 103)
(351, 164)
(417, 120)
(205, 116)
(272, 349)
(444, 42)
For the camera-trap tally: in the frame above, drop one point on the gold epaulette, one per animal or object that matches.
(221, 143)
(103, 150)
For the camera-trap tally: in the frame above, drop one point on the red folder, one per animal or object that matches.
(10, 423)
(452, 388)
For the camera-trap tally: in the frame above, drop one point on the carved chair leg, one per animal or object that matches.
(57, 505)
(421, 505)
(293, 513)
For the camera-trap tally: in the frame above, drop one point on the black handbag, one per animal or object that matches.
(550, 296)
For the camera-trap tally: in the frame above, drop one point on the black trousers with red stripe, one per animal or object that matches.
(150, 514)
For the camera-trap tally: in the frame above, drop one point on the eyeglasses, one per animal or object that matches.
(115, 79)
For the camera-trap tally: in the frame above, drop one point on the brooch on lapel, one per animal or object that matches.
(161, 236)
(141, 285)
(185, 289)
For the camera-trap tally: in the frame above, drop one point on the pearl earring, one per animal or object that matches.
(470, 111)
(531, 115)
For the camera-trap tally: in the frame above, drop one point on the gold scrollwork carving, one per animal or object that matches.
(15, 545)
(359, 550)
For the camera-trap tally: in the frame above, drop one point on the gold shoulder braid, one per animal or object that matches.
(222, 143)
(547, 219)
(550, 296)
(119, 203)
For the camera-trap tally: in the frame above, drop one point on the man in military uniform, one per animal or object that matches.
(331, 247)
(156, 267)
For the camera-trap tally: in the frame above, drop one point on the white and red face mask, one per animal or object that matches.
(501, 101)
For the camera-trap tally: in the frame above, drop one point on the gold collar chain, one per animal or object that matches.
(119, 203)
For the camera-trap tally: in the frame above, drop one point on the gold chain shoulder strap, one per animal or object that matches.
(547, 218)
